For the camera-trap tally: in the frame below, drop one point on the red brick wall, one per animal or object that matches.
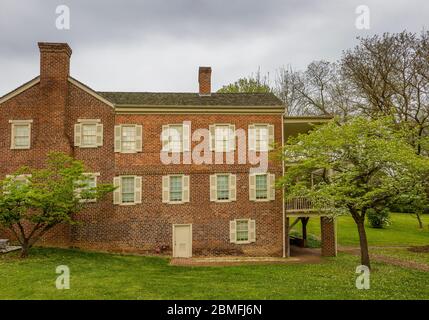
(328, 235)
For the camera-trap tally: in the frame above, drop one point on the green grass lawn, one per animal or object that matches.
(107, 276)
(403, 231)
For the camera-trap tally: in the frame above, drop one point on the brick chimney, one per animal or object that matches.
(54, 93)
(54, 62)
(204, 79)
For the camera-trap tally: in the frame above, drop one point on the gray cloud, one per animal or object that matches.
(158, 45)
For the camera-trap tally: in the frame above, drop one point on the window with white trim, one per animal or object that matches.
(128, 138)
(21, 134)
(222, 137)
(88, 185)
(242, 231)
(128, 190)
(18, 181)
(261, 137)
(175, 137)
(175, 189)
(223, 187)
(88, 133)
(262, 187)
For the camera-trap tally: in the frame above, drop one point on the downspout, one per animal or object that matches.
(283, 189)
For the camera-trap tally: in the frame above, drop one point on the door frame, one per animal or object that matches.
(174, 235)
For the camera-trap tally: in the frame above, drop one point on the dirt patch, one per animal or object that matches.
(421, 249)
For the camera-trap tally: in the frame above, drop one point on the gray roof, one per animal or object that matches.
(177, 99)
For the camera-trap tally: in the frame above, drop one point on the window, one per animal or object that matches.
(175, 137)
(88, 133)
(21, 134)
(128, 138)
(222, 137)
(175, 189)
(128, 190)
(223, 187)
(242, 231)
(17, 181)
(261, 186)
(261, 137)
(88, 184)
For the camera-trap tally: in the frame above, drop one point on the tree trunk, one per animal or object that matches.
(419, 219)
(25, 248)
(364, 253)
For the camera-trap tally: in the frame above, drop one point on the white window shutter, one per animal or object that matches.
(232, 187)
(137, 189)
(252, 138)
(213, 187)
(165, 134)
(270, 136)
(117, 193)
(165, 189)
(252, 231)
(231, 135)
(272, 186)
(118, 137)
(252, 187)
(186, 137)
(99, 135)
(185, 188)
(77, 134)
(139, 138)
(212, 131)
(232, 231)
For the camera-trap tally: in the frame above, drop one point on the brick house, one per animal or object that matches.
(169, 198)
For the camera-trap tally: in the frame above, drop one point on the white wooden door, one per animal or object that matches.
(182, 241)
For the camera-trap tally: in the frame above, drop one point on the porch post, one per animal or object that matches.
(329, 236)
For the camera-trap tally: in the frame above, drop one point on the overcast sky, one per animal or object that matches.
(156, 45)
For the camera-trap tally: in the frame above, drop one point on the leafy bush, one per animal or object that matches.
(378, 218)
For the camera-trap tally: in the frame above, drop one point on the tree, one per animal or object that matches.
(319, 90)
(365, 164)
(46, 197)
(252, 84)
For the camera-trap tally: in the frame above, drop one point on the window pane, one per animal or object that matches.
(89, 134)
(22, 135)
(261, 138)
(221, 138)
(261, 187)
(127, 189)
(222, 187)
(175, 138)
(242, 230)
(175, 188)
(128, 138)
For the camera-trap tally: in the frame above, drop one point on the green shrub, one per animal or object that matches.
(378, 218)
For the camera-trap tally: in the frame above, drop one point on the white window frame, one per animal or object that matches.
(185, 190)
(117, 182)
(79, 137)
(267, 177)
(253, 139)
(250, 238)
(232, 187)
(138, 138)
(22, 177)
(230, 139)
(93, 175)
(166, 135)
(15, 123)
(271, 191)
